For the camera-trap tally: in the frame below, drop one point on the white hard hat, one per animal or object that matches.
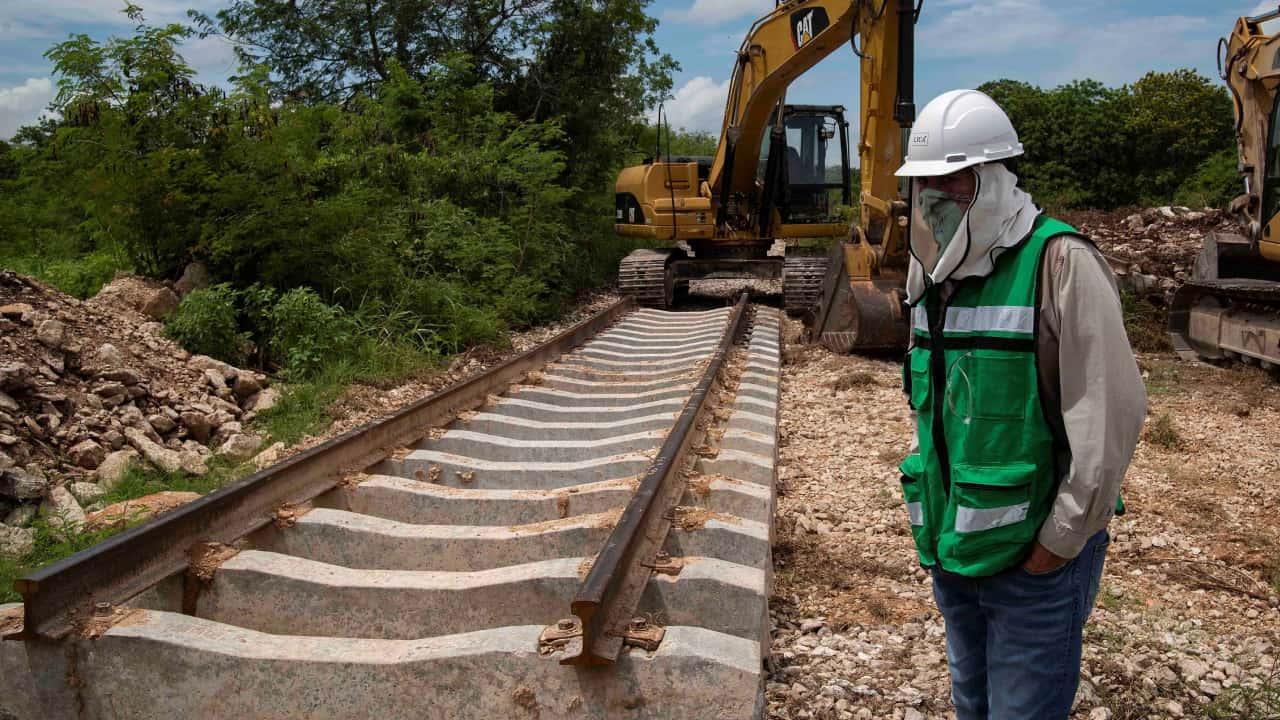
(958, 129)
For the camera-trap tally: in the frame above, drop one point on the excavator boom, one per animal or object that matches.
(768, 180)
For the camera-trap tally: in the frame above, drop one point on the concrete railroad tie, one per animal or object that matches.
(421, 592)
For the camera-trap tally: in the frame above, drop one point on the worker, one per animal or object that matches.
(1028, 405)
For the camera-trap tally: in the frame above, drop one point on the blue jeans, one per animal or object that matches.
(1014, 639)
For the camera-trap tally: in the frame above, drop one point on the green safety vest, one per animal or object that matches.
(984, 477)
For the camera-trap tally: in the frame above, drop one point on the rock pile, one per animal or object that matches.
(88, 387)
(1153, 251)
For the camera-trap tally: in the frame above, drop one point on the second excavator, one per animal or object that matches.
(1230, 308)
(770, 181)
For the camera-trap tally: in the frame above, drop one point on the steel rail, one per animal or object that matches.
(58, 596)
(607, 599)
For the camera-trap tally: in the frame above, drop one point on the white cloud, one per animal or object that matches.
(982, 28)
(213, 58)
(111, 12)
(24, 104)
(715, 12)
(1265, 6)
(1105, 52)
(698, 105)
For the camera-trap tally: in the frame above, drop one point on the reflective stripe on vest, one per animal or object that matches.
(1004, 319)
(915, 513)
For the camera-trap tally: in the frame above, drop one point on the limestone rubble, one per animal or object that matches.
(86, 387)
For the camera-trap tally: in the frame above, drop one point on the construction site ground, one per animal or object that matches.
(1186, 623)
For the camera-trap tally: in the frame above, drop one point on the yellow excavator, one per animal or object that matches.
(1230, 307)
(769, 180)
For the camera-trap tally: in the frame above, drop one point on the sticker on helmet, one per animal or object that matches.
(920, 139)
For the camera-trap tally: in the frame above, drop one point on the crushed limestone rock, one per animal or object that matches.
(138, 509)
(82, 380)
(1152, 251)
(1187, 613)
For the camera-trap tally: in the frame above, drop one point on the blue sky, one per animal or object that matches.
(962, 43)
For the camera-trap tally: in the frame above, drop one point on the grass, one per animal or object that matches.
(1146, 324)
(1162, 432)
(81, 276)
(1248, 703)
(1163, 378)
(304, 408)
(1114, 600)
(51, 544)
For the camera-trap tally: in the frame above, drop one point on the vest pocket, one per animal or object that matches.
(988, 385)
(918, 380)
(992, 508)
(912, 469)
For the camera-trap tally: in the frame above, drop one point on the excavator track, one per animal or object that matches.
(1228, 319)
(646, 276)
(802, 282)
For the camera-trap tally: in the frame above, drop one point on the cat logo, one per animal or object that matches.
(807, 25)
(920, 139)
(804, 30)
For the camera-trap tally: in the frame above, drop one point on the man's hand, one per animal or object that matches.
(1041, 561)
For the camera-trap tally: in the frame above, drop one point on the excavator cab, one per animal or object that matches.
(812, 180)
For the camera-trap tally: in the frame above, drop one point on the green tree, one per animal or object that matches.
(134, 121)
(331, 49)
(1088, 145)
(679, 142)
(1175, 122)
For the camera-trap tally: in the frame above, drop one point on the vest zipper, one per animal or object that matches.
(938, 385)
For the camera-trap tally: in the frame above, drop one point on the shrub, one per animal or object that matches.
(1163, 433)
(205, 323)
(1214, 183)
(306, 332)
(83, 276)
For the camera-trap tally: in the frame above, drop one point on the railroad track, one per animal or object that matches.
(582, 532)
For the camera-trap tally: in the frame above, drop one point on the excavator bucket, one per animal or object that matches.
(859, 315)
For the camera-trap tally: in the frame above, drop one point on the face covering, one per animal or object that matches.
(944, 212)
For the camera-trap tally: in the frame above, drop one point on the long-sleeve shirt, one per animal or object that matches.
(1089, 375)
(1090, 379)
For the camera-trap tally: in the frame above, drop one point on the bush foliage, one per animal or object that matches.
(438, 199)
(205, 323)
(1167, 137)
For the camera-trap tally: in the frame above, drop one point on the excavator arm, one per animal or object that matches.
(785, 44)
(723, 214)
(1230, 307)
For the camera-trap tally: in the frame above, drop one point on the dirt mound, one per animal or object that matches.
(1152, 251)
(85, 387)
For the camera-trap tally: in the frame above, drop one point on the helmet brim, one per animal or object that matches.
(935, 168)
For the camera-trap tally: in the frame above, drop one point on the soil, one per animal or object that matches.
(1187, 607)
